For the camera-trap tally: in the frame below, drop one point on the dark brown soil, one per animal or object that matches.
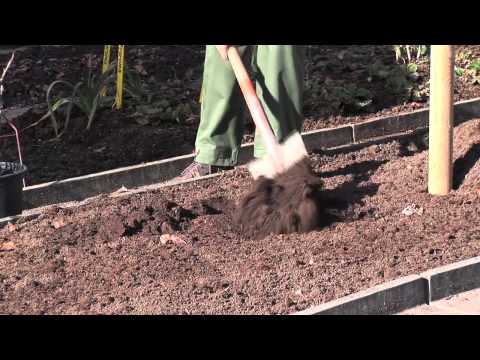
(117, 138)
(99, 150)
(289, 203)
(176, 251)
(338, 78)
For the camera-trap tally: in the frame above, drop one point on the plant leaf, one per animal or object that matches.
(459, 71)
(49, 103)
(412, 68)
(70, 107)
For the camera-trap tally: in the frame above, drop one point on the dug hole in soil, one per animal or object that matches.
(177, 251)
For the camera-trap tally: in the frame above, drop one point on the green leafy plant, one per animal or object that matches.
(134, 87)
(351, 97)
(475, 65)
(459, 71)
(470, 69)
(398, 84)
(410, 53)
(474, 68)
(412, 68)
(91, 95)
(378, 71)
(85, 95)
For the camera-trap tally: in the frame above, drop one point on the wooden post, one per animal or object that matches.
(440, 161)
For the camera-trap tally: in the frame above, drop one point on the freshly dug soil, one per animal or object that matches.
(289, 203)
(337, 78)
(177, 251)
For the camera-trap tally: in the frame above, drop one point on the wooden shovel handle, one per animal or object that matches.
(254, 105)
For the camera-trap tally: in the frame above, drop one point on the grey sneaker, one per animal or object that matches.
(196, 169)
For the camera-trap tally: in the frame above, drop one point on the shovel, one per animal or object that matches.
(280, 157)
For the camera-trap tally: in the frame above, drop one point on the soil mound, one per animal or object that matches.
(289, 203)
(153, 217)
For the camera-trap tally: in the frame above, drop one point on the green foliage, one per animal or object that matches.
(351, 97)
(475, 66)
(412, 68)
(459, 71)
(135, 87)
(84, 95)
(410, 53)
(399, 85)
(378, 71)
(474, 69)
(90, 96)
(469, 67)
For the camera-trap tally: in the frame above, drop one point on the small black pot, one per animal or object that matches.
(11, 188)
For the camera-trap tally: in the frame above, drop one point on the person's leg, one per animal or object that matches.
(222, 112)
(280, 71)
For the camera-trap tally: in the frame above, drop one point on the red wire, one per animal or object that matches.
(13, 135)
(7, 136)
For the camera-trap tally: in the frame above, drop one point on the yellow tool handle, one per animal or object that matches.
(106, 62)
(120, 76)
(106, 58)
(200, 100)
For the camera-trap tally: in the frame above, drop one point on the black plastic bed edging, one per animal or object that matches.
(405, 293)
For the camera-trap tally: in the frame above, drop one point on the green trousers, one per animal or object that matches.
(278, 71)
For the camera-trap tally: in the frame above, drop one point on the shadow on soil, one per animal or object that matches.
(338, 204)
(463, 165)
(413, 145)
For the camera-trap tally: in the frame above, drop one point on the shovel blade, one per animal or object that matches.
(291, 152)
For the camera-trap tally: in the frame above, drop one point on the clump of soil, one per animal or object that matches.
(154, 218)
(287, 204)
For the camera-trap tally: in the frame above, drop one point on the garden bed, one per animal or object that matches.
(175, 250)
(338, 79)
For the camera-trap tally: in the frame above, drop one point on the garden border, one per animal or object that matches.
(79, 188)
(405, 293)
(34, 212)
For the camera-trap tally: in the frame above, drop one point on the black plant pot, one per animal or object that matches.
(11, 188)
